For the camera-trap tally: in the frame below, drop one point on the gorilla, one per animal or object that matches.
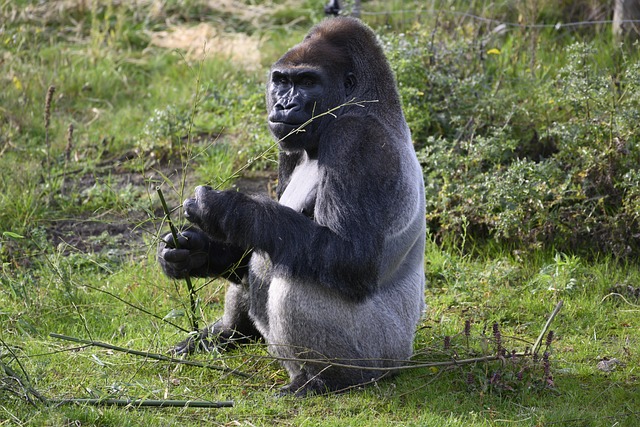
(332, 8)
(331, 275)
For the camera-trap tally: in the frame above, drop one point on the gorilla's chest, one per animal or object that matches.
(300, 194)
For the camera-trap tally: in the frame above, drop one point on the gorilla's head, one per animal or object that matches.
(330, 67)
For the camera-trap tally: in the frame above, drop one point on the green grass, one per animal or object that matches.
(79, 224)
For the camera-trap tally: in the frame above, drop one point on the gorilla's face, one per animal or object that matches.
(296, 97)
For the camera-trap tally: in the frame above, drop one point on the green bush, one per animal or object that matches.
(526, 154)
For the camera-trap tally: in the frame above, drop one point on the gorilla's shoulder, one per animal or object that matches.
(350, 127)
(361, 140)
(352, 133)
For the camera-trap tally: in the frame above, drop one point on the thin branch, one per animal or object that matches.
(193, 315)
(25, 383)
(403, 365)
(555, 311)
(146, 403)
(111, 294)
(149, 355)
(299, 129)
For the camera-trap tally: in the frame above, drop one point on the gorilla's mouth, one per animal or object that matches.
(192, 203)
(283, 123)
(186, 205)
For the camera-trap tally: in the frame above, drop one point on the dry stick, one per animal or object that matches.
(24, 383)
(174, 233)
(555, 311)
(417, 364)
(408, 364)
(146, 402)
(28, 390)
(149, 355)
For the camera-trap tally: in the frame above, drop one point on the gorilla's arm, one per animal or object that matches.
(358, 205)
(297, 245)
(198, 255)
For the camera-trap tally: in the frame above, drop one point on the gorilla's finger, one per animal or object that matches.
(186, 240)
(176, 256)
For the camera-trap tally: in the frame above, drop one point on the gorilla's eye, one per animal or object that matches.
(279, 79)
(308, 82)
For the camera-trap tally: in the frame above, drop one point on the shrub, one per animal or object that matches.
(519, 148)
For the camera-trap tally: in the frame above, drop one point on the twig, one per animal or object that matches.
(24, 383)
(403, 365)
(299, 129)
(174, 233)
(146, 403)
(130, 304)
(555, 311)
(615, 294)
(149, 355)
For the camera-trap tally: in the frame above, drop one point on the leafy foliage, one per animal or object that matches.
(532, 157)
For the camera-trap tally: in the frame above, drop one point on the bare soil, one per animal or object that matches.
(121, 231)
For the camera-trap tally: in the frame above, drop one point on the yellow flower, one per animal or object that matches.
(17, 83)
(493, 51)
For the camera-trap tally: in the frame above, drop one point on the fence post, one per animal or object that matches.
(623, 12)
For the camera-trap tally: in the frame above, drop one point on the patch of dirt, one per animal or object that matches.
(90, 235)
(205, 41)
(121, 232)
(257, 183)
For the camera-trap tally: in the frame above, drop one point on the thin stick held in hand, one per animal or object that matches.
(174, 233)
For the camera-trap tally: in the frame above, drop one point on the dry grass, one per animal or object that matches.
(202, 41)
(205, 41)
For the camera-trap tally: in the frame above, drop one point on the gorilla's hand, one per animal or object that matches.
(189, 258)
(209, 208)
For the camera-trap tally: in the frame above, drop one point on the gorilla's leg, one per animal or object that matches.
(328, 344)
(235, 327)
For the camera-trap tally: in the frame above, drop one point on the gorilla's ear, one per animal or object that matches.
(349, 83)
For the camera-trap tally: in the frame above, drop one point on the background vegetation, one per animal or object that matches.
(528, 134)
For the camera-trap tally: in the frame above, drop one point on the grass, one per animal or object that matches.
(79, 222)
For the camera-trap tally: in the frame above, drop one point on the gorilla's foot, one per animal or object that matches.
(212, 337)
(300, 386)
(197, 341)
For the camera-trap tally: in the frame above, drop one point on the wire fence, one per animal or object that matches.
(483, 19)
(416, 14)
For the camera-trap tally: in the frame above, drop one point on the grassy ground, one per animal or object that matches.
(80, 216)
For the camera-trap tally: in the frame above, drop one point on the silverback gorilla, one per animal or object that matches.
(332, 274)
